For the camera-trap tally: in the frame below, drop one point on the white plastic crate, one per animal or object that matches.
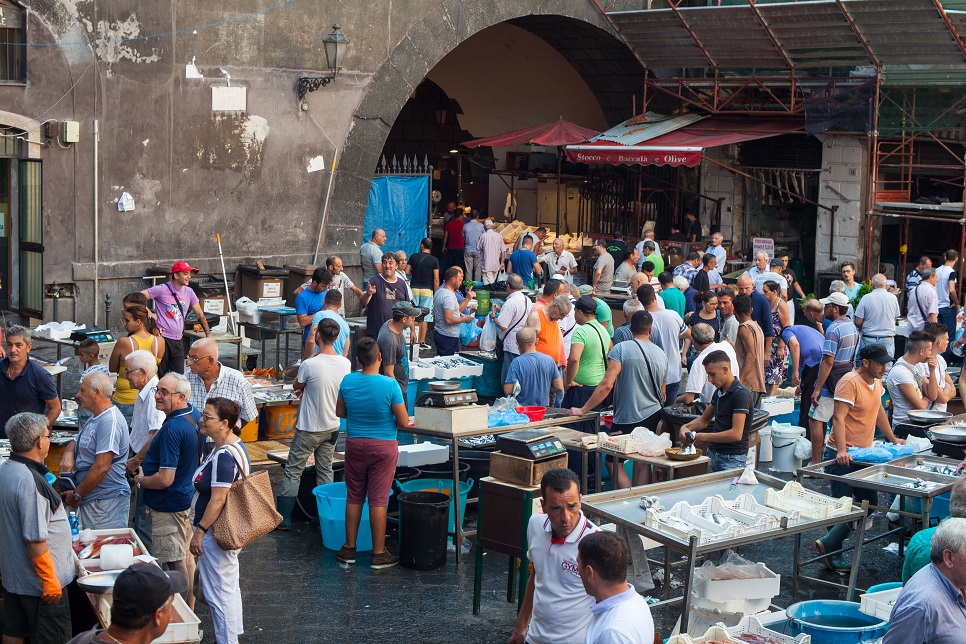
(739, 606)
(754, 522)
(91, 565)
(422, 454)
(706, 531)
(879, 604)
(419, 372)
(714, 634)
(811, 505)
(765, 586)
(750, 625)
(473, 370)
(747, 503)
(778, 405)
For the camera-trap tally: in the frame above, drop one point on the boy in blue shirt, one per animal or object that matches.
(524, 263)
(311, 300)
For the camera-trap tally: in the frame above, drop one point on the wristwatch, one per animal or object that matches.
(77, 497)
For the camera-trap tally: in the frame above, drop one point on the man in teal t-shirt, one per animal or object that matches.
(673, 298)
(918, 552)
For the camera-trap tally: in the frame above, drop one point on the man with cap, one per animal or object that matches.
(838, 356)
(449, 313)
(492, 251)
(141, 609)
(393, 346)
(857, 414)
(172, 301)
(36, 562)
(773, 274)
(587, 362)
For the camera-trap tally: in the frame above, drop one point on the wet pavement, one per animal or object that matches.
(294, 590)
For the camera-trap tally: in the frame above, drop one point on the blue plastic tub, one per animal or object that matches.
(834, 622)
(330, 500)
(446, 487)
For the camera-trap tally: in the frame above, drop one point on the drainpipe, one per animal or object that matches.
(96, 231)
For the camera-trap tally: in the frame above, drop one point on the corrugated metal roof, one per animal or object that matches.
(651, 125)
(813, 34)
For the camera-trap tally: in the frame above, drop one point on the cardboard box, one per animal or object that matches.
(216, 304)
(522, 471)
(467, 418)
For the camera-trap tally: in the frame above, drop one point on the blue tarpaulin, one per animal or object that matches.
(400, 206)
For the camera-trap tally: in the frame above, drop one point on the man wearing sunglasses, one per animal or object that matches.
(165, 476)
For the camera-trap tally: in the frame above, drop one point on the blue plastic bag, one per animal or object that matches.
(469, 331)
(879, 453)
(505, 418)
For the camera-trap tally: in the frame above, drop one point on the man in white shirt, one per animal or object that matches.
(510, 319)
(946, 290)
(555, 608)
(620, 614)
(938, 371)
(317, 427)
(773, 274)
(908, 387)
(698, 386)
(876, 315)
(923, 302)
(141, 370)
(760, 267)
(719, 252)
(560, 262)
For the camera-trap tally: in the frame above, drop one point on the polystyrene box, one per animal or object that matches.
(422, 454)
(879, 604)
(766, 586)
(778, 406)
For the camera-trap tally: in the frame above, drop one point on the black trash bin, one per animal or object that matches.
(423, 525)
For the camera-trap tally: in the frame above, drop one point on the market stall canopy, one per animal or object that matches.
(796, 35)
(684, 145)
(559, 132)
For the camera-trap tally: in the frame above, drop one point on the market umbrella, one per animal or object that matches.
(556, 133)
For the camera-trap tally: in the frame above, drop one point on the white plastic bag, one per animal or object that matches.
(488, 337)
(246, 306)
(803, 448)
(649, 443)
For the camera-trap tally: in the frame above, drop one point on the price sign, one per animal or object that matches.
(765, 245)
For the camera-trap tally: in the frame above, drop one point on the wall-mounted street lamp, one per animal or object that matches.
(336, 45)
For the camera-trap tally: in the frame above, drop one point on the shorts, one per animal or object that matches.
(171, 533)
(370, 466)
(173, 358)
(105, 514)
(423, 297)
(822, 412)
(446, 345)
(29, 616)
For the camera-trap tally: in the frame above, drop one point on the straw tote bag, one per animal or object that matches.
(249, 511)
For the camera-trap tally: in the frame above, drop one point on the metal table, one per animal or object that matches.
(667, 467)
(622, 508)
(571, 439)
(925, 496)
(220, 338)
(453, 438)
(263, 332)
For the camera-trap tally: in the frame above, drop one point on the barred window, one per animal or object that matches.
(13, 37)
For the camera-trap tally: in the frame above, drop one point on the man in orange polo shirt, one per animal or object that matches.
(858, 412)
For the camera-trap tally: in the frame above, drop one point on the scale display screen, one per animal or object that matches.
(532, 444)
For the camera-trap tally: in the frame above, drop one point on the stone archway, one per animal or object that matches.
(425, 44)
(26, 124)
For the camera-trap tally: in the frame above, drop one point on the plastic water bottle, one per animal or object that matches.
(74, 527)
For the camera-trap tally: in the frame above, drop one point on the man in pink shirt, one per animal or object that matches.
(172, 301)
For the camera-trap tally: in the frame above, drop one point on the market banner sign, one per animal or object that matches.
(764, 245)
(633, 155)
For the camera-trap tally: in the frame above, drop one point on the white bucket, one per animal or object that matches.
(783, 441)
(764, 448)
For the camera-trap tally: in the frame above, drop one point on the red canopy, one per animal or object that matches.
(559, 132)
(683, 146)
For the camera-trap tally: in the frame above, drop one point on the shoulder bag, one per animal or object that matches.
(499, 341)
(249, 511)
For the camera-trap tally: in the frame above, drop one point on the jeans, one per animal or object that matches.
(472, 261)
(508, 359)
(671, 392)
(888, 342)
(723, 462)
(841, 489)
(947, 316)
(305, 444)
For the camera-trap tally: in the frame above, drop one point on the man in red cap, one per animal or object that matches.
(172, 301)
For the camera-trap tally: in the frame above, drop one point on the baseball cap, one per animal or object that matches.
(143, 588)
(586, 304)
(838, 299)
(181, 266)
(876, 353)
(585, 289)
(406, 309)
(776, 262)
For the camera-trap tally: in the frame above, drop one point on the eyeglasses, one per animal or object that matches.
(209, 416)
(197, 358)
(48, 436)
(158, 391)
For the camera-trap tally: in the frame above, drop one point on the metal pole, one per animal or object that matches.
(97, 240)
(325, 209)
(107, 309)
(558, 231)
(228, 295)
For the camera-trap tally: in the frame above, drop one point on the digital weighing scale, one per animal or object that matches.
(446, 398)
(531, 444)
(99, 336)
(621, 286)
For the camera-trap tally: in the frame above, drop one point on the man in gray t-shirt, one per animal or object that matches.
(370, 254)
(603, 268)
(36, 561)
(448, 313)
(392, 344)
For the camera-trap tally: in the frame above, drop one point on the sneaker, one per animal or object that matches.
(346, 555)
(424, 347)
(383, 560)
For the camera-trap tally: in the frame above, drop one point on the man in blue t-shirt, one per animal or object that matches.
(524, 263)
(165, 476)
(536, 372)
(330, 311)
(310, 301)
